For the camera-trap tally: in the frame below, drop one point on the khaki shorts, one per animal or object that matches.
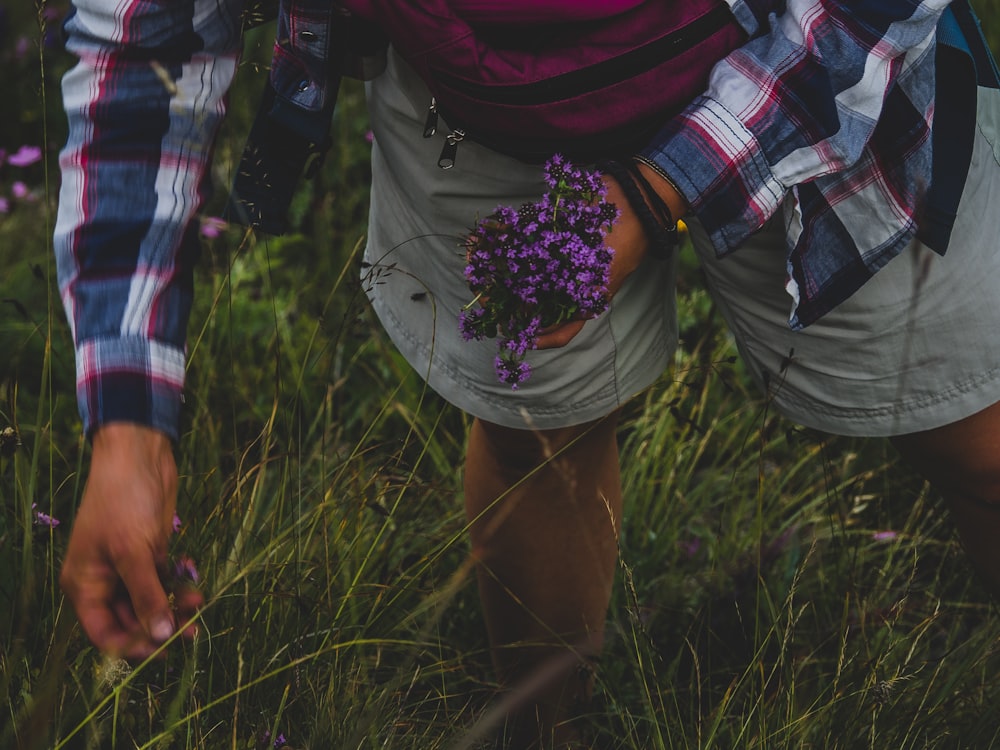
(916, 348)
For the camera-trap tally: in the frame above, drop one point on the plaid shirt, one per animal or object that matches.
(828, 113)
(849, 142)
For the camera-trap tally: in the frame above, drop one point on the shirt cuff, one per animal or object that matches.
(718, 166)
(130, 380)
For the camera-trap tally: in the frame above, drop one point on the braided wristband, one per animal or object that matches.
(659, 206)
(662, 239)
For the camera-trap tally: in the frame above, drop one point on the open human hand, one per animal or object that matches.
(115, 561)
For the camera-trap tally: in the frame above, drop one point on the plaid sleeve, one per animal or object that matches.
(800, 100)
(143, 105)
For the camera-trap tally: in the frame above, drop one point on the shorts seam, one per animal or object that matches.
(909, 406)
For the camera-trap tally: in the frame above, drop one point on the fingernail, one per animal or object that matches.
(162, 630)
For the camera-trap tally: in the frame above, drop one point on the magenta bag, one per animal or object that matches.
(586, 88)
(523, 11)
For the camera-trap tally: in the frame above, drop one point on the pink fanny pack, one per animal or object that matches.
(590, 89)
(522, 11)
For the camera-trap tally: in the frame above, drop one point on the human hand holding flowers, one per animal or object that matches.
(538, 266)
(629, 244)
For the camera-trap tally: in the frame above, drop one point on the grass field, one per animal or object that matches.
(778, 588)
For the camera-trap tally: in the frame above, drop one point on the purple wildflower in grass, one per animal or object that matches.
(279, 741)
(43, 519)
(690, 547)
(212, 226)
(20, 190)
(538, 265)
(4, 205)
(176, 523)
(184, 567)
(25, 156)
(21, 48)
(884, 536)
(52, 39)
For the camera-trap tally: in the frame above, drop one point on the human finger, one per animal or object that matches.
(558, 336)
(104, 629)
(137, 642)
(188, 600)
(138, 570)
(103, 616)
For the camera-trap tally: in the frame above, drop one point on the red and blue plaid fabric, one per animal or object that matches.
(830, 103)
(830, 107)
(143, 106)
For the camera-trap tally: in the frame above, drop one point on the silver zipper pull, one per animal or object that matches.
(450, 149)
(431, 123)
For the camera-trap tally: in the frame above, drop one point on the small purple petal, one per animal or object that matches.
(185, 568)
(22, 48)
(212, 226)
(25, 156)
(884, 536)
(44, 519)
(690, 547)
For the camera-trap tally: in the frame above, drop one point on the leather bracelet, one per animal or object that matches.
(661, 232)
(658, 205)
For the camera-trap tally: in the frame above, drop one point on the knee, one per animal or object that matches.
(969, 473)
(524, 450)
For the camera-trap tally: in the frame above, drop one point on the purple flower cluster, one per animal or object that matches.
(23, 46)
(25, 156)
(539, 265)
(279, 741)
(43, 519)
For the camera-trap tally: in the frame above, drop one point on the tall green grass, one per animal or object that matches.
(778, 588)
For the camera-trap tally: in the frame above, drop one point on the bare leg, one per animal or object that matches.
(546, 553)
(962, 460)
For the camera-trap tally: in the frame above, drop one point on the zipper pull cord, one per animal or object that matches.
(450, 149)
(431, 123)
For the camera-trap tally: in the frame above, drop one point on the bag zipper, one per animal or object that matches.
(431, 123)
(450, 149)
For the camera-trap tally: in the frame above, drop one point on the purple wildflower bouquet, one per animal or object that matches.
(538, 265)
